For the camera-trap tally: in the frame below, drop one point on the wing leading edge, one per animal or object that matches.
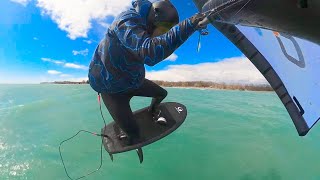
(291, 66)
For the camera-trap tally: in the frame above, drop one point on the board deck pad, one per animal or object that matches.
(150, 131)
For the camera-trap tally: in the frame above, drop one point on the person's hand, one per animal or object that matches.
(198, 21)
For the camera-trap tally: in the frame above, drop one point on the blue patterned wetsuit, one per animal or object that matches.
(117, 67)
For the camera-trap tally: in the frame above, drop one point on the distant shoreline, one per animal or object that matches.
(193, 84)
(213, 85)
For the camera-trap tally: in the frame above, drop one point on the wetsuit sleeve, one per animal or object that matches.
(133, 35)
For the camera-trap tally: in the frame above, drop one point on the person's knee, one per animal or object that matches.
(164, 93)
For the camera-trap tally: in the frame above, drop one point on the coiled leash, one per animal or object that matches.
(92, 133)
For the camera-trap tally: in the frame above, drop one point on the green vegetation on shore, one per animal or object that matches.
(193, 84)
(203, 84)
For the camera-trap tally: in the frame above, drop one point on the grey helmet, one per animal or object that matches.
(166, 15)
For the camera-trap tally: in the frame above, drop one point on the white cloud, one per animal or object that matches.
(82, 52)
(22, 2)
(65, 75)
(78, 79)
(87, 41)
(35, 38)
(62, 78)
(237, 70)
(52, 61)
(75, 66)
(172, 57)
(105, 25)
(54, 72)
(66, 65)
(75, 16)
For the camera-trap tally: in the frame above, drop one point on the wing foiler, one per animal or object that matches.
(290, 64)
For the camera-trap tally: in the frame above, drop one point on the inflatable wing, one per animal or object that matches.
(285, 50)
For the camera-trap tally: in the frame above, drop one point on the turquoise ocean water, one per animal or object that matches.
(227, 135)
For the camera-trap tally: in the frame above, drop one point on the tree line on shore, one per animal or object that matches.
(197, 84)
(204, 84)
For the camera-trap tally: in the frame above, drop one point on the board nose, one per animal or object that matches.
(177, 110)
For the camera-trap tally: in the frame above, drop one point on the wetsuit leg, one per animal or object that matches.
(151, 89)
(118, 106)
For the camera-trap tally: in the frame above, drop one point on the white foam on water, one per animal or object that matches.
(8, 107)
(19, 169)
(3, 146)
(13, 173)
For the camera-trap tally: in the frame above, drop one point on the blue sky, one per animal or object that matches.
(48, 40)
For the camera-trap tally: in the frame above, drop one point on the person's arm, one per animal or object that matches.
(151, 50)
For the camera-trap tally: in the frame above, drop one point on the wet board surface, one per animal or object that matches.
(150, 131)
